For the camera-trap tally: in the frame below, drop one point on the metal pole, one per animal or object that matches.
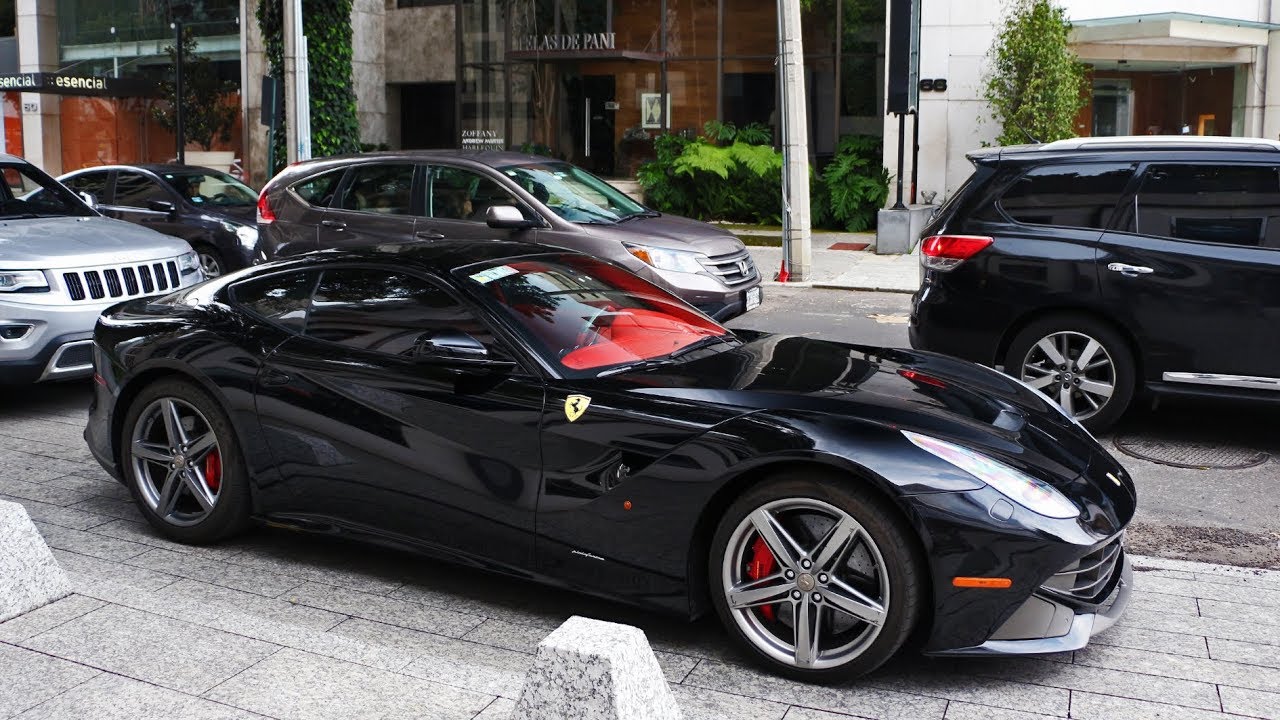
(795, 141)
(289, 28)
(181, 130)
(915, 150)
(902, 146)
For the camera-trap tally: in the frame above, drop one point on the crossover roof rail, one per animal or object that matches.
(1163, 142)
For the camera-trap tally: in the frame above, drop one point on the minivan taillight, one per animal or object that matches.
(265, 216)
(945, 252)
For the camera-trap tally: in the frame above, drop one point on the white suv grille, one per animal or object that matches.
(122, 281)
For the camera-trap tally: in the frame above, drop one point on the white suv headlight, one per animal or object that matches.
(188, 262)
(14, 280)
(1031, 493)
(667, 259)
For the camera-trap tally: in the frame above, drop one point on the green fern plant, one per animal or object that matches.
(855, 184)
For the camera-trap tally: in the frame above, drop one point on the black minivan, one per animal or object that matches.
(1095, 268)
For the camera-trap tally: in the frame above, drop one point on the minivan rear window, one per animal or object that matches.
(1081, 195)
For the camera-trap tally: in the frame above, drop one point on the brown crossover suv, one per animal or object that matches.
(482, 195)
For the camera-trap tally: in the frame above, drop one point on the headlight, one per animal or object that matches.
(188, 262)
(248, 236)
(15, 280)
(1033, 494)
(667, 259)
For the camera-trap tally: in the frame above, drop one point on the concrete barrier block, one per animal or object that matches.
(898, 231)
(593, 670)
(29, 575)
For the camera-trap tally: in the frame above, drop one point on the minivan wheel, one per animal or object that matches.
(211, 263)
(1081, 364)
(815, 577)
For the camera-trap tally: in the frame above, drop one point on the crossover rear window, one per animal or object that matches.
(1082, 195)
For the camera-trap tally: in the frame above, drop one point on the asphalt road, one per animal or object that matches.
(1215, 514)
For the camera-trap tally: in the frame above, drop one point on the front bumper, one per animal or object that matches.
(1034, 628)
(54, 344)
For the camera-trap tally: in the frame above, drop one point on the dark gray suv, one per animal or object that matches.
(459, 195)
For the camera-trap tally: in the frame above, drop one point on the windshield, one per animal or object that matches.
(29, 193)
(586, 316)
(573, 193)
(209, 187)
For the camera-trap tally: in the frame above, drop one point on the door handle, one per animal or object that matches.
(428, 235)
(275, 378)
(335, 224)
(1130, 270)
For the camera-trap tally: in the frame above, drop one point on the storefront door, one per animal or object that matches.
(595, 105)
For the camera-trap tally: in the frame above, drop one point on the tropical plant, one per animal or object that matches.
(853, 187)
(208, 106)
(1035, 84)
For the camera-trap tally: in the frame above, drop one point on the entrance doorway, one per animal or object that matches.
(1112, 113)
(427, 116)
(592, 110)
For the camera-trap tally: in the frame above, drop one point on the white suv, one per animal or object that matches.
(61, 265)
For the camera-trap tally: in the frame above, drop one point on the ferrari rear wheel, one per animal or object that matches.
(183, 464)
(816, 577)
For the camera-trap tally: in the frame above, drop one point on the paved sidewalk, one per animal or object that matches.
(283, 625)
(847, 269)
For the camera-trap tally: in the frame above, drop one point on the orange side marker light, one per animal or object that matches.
(626, 504)
(982, 582)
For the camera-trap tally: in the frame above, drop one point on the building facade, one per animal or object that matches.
(1155, 67)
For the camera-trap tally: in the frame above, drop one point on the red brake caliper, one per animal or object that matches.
(761, 565)
(213, 470)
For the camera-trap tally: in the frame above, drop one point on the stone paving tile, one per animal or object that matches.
(853, 700)
(116, 508)
(384, 609)
(46, 618)
(86, 571)
(971, 711)
(294, 685)
(33, 468)
(78, 453)
(58, 514)
(104, 486)
(177, 655)
(702, 704)
(1159, 602)
(88, 543)
(1254, 703)
(1258, 615)
(949, 681)
(1123, 635)
(1164, 665)
(40, 492)
(193, 595)
(140, 532)
(45, 431)
(1238, 592)
(499, 709)
(1211, 627)
(273, 556)
(1213, 573)
(29, 678)
(112, 697)
(229, 575)
(1090, 679)
(675, 668)
(497, 633)
(1244, 652)
(1096, 706)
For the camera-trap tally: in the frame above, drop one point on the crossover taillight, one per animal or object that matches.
(945, 252)
(265, 215)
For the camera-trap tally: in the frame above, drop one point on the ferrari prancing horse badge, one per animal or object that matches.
(575, 405)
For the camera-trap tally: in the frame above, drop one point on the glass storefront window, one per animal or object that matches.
(751, 29)
(691, 28)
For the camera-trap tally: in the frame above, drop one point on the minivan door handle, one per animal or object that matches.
(1130, 270)
(275, 378)
(335, 224)
(428, 235)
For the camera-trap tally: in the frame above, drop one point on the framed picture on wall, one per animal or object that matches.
(652, 116)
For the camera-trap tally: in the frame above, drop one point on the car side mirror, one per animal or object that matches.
(448, 344)
(89, 200)
(506, 217)
(163, 206)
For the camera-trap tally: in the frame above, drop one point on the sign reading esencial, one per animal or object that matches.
(62, 84)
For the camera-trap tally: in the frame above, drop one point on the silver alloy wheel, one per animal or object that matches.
(176, 461)
(210, 264)
(830, 582)
(1074, 370)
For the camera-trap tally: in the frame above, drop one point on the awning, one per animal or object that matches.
(1169, 38)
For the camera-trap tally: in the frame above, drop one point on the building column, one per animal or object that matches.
(37, 22)
(368, 68)
(1270, 126)
(253, 65)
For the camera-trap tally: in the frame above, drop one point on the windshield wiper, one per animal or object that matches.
(702, 343)
(19, 216)
(642, 213)
(638, 365)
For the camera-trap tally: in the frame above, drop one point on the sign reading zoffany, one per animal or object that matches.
(60, 84)
(564, 43)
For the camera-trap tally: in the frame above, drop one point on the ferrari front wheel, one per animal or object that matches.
(816, 577)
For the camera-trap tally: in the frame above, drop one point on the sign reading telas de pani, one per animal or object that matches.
(564, 43)
(61, 84)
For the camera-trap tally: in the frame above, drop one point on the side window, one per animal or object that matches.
(1076, 195)
(385, 312)
(94, 183)
(318, 191)
(457, 194)
(281, 299)
(1228, 204)
(136, 191)
(380, 189)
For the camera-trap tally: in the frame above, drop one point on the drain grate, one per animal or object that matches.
(1189, 453)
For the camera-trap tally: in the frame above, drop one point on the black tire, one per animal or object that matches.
(212, 264)
(1077, 330)
(229, 514)
(903, 574)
